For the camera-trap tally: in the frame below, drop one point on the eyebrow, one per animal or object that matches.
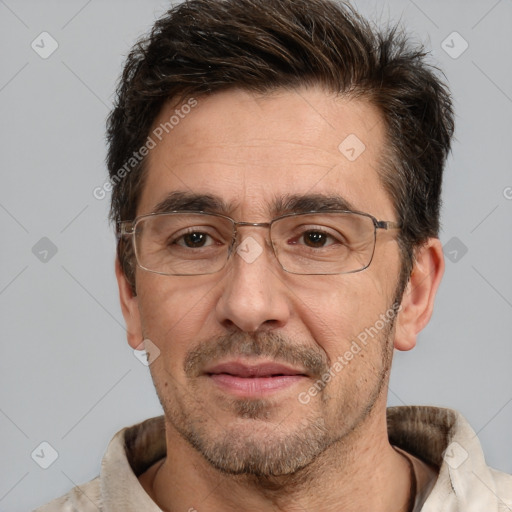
(298, 203)
(188, 201)
(290, 203)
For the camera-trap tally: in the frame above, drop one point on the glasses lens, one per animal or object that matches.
(183, 244)
(326, 243)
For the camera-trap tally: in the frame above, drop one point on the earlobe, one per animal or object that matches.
(419, 295)
(129, 308)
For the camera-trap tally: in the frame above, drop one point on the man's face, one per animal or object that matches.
(241, 349)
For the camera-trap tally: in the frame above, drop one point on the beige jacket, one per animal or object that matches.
(441, 437)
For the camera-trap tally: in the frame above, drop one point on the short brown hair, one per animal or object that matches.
(204, 46)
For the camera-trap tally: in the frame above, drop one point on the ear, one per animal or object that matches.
(130, 308)
(419, 295)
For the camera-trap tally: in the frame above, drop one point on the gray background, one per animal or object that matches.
(68, 375)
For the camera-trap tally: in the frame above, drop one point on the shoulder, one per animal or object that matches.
(82, 498)
(503, 483)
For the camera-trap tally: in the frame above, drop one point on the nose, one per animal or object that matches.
(254, 296)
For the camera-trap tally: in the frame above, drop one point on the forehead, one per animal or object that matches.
(252, 152)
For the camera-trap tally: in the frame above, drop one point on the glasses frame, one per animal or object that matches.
(126, 228)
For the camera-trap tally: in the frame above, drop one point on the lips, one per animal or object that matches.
(250, 380)
(247, 371)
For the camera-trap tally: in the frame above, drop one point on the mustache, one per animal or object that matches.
(263, 344)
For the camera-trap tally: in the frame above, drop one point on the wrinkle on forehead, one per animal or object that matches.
(248, 149)
(307, 115)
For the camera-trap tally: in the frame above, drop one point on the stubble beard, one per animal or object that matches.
(254, 445)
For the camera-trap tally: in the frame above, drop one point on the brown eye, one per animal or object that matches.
(315, 239)
(195, 239)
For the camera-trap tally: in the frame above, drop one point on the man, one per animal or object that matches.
(276, 169)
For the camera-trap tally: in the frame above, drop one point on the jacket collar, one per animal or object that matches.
(441, 437)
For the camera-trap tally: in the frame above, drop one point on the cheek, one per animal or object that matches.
(174, 314)
(336, 309)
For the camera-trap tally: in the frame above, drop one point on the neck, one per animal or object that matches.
(362, 472)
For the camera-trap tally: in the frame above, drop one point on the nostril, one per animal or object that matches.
(228, 324)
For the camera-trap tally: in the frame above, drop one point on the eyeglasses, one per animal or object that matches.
(199, 243)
